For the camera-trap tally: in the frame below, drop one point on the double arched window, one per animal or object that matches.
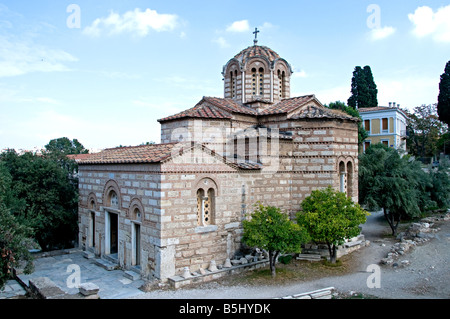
(258, 81)
(206, 202)
(346, 178)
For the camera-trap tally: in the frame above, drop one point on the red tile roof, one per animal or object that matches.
(155, 153)
(79, 157)
(134, 154)
(220, 108)
(315, 112)
(256, 51)
(212, 108)
(287, 105)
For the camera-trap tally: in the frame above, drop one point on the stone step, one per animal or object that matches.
(132, 275)
(352, 243)
(88, 255)
(310, 257)
(105, 264)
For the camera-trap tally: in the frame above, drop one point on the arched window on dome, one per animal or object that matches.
(282, 84)
(258, 81)
(261, 81)
(254, 81)
(233, 78)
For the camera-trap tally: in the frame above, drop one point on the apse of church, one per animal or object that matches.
(156, 209)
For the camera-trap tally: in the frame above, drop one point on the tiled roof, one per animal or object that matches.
(377, 108)
(287, 105)
(212, 108)
(220, 108)
(79, 157)
(312, 111)
(256, 51)
(134, 154)
(154, 153)
(380, 108)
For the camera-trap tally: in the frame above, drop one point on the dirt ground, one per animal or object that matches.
(426, 276)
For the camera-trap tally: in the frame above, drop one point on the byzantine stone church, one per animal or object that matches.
(157, 209)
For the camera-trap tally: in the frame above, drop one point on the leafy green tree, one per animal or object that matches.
(45, 199)
(443, 106)
(65, 146)
(440, 184)
(14, 237)
(14, 243)
(330, 216)
(338, 105)
(424, 131)
(272, 230)
(396, 184)
(58, 149)
(363, 89)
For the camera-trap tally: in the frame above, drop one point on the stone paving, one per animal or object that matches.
(62, 270)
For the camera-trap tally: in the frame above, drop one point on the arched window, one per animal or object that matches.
(92, 205)
(233, 77)
(261, 81)
(258, 81)
(342, 178)
(113, 199)
(282, 85)
(205, 207)
(254, 82)
(349, 179)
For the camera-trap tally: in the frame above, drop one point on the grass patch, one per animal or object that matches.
(296, 270)
(327, 263)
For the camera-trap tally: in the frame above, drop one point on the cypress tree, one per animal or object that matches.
(364, 90)
(443, 107)
(371, 87)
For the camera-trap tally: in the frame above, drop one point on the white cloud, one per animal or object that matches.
(299, 74)
(137, 22)
(239, 26)
(221, 42)
(429, 23)
(381, 33)
(18, 57)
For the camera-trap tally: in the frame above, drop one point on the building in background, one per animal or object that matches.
(385, 124)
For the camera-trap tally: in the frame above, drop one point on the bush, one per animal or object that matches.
(286, 259)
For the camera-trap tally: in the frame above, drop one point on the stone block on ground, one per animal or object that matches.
(44, 288)
(88, 289)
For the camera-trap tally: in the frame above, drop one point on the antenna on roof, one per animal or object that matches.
(256, 36)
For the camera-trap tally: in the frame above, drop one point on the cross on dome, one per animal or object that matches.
(256, 36)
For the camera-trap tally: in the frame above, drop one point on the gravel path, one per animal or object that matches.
(427, 275)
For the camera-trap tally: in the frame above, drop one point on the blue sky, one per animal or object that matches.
(103, 72)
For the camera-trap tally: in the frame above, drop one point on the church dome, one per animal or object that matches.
(256, 51)
(257, 74)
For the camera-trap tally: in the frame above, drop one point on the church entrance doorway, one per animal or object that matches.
(112, 234)
(136, 245)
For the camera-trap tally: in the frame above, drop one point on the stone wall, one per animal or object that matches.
(138, 186)
(166, 193)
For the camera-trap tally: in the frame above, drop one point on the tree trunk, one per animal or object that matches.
(391, 221)
(332, 251)
(272, 260)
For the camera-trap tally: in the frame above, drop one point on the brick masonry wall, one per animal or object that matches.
(171, 238)
(137, 186)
